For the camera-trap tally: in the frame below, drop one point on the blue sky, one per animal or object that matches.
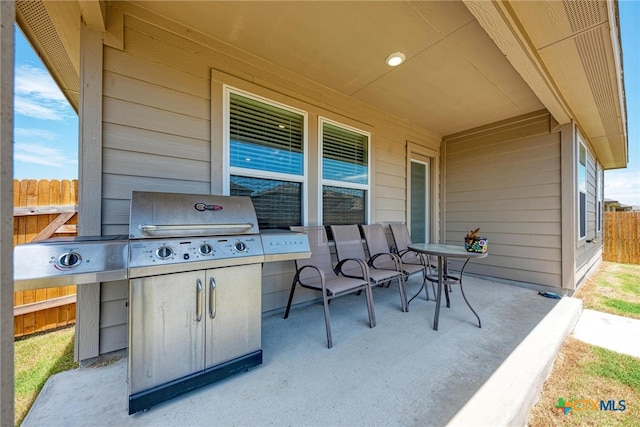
(46, 127)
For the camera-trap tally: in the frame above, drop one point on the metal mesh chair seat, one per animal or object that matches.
(317, 273)
(349, 246)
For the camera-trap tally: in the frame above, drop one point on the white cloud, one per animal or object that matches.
(37, 110)
(38, 96)
(34, 134)
(42, 155)
(42, 147)
(623, 186)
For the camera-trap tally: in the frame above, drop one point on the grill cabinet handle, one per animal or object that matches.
(212, 298)
(198, 300)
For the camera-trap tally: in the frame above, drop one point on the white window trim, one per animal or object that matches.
(229, 170)
(343, 184)
(599, 198)
(581, 144)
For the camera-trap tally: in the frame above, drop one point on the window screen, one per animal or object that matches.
(278, 204)
(343, 206)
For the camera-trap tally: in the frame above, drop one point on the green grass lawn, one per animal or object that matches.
(584, 372)
(37, 357)
(614, 289)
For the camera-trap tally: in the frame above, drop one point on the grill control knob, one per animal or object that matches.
(205, 249)
(240, 246)
(164, 252)
(68, 260)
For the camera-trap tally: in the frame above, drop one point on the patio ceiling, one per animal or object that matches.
(468, 63)
(454, 77)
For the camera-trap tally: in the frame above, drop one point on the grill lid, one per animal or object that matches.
(156, 214)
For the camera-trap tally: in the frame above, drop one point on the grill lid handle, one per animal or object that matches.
(192, 228)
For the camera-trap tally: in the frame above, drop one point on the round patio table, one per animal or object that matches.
(444, 252)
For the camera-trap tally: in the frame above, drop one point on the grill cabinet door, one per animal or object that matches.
(166, 341)
(235, 300)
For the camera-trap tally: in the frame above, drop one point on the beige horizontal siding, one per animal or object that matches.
(121, 137)
(506, 180)
(157, 119)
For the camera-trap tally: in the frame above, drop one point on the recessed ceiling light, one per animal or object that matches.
(395, 59)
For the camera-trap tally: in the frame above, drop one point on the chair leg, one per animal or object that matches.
(424, 284)
(293, 288)
(370, 307)
(446, 293)
(327, 320)
(403, 294)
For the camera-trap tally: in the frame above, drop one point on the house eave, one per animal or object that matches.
(556, 58)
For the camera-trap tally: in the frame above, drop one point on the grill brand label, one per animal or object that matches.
(204, 207)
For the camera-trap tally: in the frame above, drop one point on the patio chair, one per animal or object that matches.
(382, 257)
(349, 246)
(317, 273)
(402, 240)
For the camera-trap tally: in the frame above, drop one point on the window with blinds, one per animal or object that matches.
(344, 155)
(599, 207)
(345, 175)
(582, 192)
(266, 149)
(265, 137)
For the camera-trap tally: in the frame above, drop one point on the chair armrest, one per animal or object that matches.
(363, 267)
(395, 258)
(418, 254)
(313, 267)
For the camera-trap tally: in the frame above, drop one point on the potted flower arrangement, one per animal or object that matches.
(474, 243)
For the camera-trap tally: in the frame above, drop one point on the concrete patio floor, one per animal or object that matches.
(401, 372)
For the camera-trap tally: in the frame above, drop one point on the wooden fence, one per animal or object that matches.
(44, 209)
(622, 237)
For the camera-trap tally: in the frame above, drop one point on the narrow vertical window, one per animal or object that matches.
(266, 159)
(599, 207)
(582, 191)
(345, 175)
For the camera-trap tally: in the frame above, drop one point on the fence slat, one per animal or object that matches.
(622, 237)
(43, 196)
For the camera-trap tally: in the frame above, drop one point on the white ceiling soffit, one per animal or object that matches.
(468, 63)
(569, 53)
(53, 29)
(454, 77)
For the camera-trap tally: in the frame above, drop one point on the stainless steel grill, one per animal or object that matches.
(194, 267)
(195, 291)
(64, 260)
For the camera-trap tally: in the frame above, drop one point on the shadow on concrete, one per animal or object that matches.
(401, 372)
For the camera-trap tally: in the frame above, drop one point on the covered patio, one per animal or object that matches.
(401, 372)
